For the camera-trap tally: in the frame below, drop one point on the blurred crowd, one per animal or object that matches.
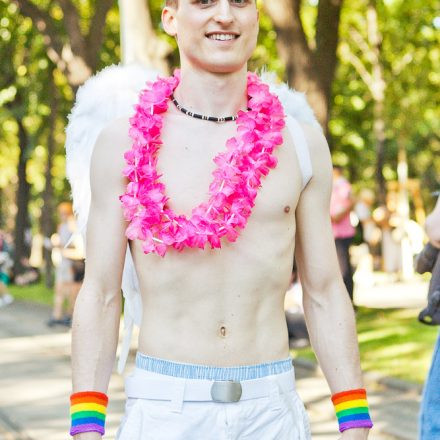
(67, 257)
(369, 237)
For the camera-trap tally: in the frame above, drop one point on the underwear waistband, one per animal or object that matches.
(207, 372)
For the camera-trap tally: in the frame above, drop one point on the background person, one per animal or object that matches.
(341, 204)
(430, 407)
(6, 264)
(66, 251)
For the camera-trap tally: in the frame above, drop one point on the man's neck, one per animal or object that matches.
(212, 94)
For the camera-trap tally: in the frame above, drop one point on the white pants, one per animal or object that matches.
(278, 416)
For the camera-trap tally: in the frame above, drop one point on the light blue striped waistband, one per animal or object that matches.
(207, 372)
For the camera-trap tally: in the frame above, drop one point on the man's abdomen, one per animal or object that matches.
(221, 307)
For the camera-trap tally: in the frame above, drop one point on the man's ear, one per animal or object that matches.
(169, 21)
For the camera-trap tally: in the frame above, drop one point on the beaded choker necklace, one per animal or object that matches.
(236, 180)
(203, 117)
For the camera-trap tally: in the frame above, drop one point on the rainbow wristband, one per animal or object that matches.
(88, 410)
(352, 409)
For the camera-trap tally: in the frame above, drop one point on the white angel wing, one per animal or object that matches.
(297, 110)
(108, 95)
(295, 103)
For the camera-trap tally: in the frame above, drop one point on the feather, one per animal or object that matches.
(295, 103)
(110, 94)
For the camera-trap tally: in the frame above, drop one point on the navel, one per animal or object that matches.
(287, 209)
(223, 331)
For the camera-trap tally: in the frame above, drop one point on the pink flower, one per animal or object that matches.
(214, 241)
(148, 243)
(236, 179)
(134, 229)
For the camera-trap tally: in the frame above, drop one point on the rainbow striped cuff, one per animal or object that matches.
(88, 410)
(352, 409)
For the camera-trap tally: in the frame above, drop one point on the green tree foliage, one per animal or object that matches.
(26, 93)
(410, 57)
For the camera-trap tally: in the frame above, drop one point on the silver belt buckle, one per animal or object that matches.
(226, 391)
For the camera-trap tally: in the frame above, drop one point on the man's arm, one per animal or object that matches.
(327, 307)
(432, 225)
(97, 311)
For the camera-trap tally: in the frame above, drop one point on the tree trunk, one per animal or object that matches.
(139, 42)
(373, 77)
(47, 215)
(22, 246)
(2, 215)
(325, 56)
(378, 91)
(308, 70)
(379, 138)
(77, 55)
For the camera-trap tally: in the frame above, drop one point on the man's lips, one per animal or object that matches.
(222, 36)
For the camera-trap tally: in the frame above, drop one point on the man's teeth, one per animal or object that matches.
(222, 37)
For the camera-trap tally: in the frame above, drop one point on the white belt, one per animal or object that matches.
(164, 388)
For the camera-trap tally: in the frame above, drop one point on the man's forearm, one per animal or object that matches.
(332, 329)
(95, 330)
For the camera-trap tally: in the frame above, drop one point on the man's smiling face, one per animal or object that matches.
(214, 35)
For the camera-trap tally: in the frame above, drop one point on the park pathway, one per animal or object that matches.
(35, 384)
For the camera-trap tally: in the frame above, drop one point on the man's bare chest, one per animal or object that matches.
(186, 164)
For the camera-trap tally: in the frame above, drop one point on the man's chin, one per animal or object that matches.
(224, 67)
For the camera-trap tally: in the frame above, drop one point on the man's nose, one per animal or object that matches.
(223, 13)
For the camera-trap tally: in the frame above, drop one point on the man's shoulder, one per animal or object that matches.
(112, 143)
(319, 153)
(114, 137)
(317, 146)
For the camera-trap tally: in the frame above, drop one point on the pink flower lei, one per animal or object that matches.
(232, 193)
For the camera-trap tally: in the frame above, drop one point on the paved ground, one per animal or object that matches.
(35, 383)
(383, 292)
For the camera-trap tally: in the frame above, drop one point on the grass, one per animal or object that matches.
(35, 292)
(392, 342)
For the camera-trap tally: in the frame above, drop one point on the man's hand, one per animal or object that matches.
(336, 218)
(355, 434)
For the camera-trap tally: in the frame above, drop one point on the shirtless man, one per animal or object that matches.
(207, 311)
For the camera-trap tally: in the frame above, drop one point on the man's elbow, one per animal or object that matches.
(323, 289)
(101, 292)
